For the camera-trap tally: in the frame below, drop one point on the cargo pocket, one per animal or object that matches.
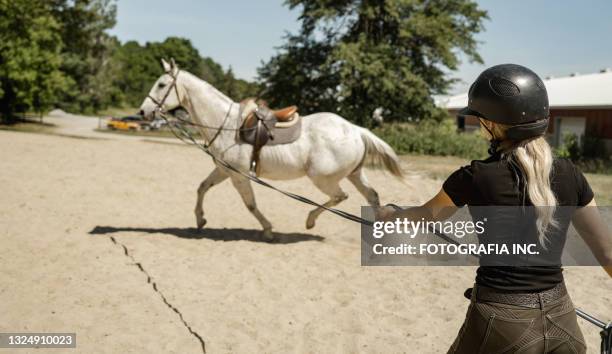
(503, 333)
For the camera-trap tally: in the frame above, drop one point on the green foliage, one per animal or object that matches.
(236, 88)
(58, 53)
(587, 147)
(352, 56)
(596, 165)
(30, 45)
(86, 52)
(570, 147)
(140, 67)
(431, 137)
(588, 153)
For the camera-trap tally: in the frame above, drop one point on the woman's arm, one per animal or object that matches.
(438, 208)
(595, 233)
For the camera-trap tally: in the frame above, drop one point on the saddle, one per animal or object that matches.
(264, 126)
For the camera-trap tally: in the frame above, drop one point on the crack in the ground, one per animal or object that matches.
(154, 285)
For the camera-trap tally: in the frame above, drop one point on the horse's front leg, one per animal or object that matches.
(243, 186)
(215, 177)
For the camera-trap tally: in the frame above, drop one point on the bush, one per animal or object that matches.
(433, 138)
(589, 153)
(601, 166)
(442, 138)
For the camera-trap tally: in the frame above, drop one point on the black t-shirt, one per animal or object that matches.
(497, 182)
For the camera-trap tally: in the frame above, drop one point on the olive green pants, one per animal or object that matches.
(491, 328)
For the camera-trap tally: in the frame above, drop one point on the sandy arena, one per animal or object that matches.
(64, 200)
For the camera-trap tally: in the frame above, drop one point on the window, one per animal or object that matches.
(568, 125)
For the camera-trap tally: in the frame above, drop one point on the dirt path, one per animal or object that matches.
(80, 126)
(73, 124)
(63, 199)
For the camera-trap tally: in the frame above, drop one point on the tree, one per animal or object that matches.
(30, 45)
(138, 71)
(353, 56)
(139, 67)
(102, 89)
(237, 89)
(211, 71)
(189, 58)
(181, 49)
(58, 53)
(87, 51)
(230, 88)
(244, 89)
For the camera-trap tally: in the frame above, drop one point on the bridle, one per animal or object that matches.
(160, 104)
(159, 109)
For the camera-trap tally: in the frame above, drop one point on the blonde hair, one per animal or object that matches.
(535, 160)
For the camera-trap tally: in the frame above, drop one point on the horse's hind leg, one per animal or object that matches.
(243, 186)
(215, 177)
(331, 187)
(359, 180)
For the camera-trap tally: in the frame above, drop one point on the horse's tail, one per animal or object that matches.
(379, 154)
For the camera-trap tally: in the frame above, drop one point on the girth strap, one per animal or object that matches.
(265, 119)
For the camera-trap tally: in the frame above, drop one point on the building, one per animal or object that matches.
(579, 104)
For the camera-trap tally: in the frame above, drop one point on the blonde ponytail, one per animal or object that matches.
(535, 160)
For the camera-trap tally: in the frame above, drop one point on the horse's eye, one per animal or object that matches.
(161, 85)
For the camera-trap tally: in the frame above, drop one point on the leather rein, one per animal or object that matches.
(159, 109)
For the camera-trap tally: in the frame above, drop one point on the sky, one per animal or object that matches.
(552, 37)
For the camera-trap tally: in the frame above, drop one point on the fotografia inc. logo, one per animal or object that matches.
(478, 235)
(411, 228)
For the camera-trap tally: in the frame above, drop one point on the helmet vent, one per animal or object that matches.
(503, 87)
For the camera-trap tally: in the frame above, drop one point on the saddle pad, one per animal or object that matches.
(287, 135)
(281, 132)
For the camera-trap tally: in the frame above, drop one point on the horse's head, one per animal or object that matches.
(164, 94)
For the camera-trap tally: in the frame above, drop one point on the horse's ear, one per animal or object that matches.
(174, 67)
(166, 66)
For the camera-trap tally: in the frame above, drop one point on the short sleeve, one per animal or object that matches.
(585, 193)
(458, 186)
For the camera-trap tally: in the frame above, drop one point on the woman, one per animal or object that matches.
(522, 308)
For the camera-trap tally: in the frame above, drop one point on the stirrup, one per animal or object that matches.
(253, 169)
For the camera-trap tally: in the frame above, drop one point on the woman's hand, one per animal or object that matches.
(385, 213)
(440, 207)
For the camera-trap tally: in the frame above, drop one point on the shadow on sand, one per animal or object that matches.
(211, 234)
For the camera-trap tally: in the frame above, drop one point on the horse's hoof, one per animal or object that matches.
(267, 235)
(310, 223)
(201, 223)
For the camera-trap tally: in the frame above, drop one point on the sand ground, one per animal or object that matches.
(64, 200)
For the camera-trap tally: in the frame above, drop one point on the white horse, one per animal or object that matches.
(328, 150)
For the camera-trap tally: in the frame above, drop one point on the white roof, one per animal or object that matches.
(579, 91)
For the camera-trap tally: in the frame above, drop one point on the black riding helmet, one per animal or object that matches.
(513, 95)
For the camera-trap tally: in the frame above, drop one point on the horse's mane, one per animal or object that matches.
(210, 87)
(258, 101)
